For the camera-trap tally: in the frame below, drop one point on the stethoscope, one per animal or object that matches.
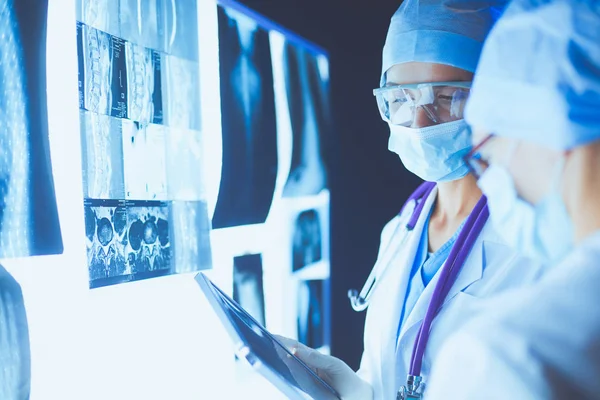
(360, 302)
(448, 274)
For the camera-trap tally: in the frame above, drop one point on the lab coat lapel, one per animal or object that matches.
(395, 291)
(470, 272)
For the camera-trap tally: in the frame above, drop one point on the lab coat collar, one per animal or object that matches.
(471, 271)
(399, 277)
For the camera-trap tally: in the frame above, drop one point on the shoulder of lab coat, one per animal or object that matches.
(491, 267)
(538, 342)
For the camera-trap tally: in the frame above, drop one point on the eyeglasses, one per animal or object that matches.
(440, 101)
(475, 160)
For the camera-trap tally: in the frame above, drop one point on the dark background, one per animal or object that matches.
(368, 183)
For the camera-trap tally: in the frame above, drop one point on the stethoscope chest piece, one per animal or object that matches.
(412, 390)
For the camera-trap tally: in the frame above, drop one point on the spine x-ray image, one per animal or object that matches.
(248, 122)
(126, 240)
(28, 212)
(102, 156)
(311, 313)
(103, 74)
(139, 97)
(307, 248)
(308, 102)
(248, 289)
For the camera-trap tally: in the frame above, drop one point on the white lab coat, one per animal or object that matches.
(491, 267)
(540, 342)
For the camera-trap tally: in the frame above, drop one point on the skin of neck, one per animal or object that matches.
(581, 189)
(456, 199)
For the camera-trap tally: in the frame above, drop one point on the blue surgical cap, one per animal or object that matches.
(539, 75)
(449, 32)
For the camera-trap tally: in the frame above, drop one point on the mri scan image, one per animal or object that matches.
(126, 240)
(248, 289)
(307, 248)
(181, 28)
(145, 162)
(248, 122)
(103, 72)
(142, 22)
(106, 238)
(311, 313)
(142, 67)
(190, 236)
(182, 93)
(99, 14)
(102, 156)
(148, 248)
(306, 84)
(184, 165)
(28, 213)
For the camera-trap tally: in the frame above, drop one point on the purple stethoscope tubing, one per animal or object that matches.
(448, 275)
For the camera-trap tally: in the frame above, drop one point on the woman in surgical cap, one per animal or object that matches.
(535, 111)
(440, 256)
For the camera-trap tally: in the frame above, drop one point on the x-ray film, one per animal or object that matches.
(311, 313)
(190, 236)
(102, 156)
(184, 165)
(141, 86)
(28, 212)
(142, 22)
(182, 93)
(307, 98)
(307, 244)
(248, 122)
(144, 151)
(248, 285)
(126, 240)
(99, 14)
(181, 29)
(103, 80)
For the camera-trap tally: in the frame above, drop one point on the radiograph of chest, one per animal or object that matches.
(106, 232)
(248, 121)
(148, 247)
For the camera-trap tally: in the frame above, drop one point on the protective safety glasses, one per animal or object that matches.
(422, 104)
(475, 159)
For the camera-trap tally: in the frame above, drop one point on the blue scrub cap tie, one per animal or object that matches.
(449, 32)
(539, 75)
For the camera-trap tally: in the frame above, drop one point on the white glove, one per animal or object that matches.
(332, 370)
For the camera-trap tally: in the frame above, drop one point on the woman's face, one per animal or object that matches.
(417, 72)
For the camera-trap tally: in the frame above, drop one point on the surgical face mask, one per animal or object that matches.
(434, 153)
(543, 231)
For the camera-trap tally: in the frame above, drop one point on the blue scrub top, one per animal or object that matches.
(424, 268)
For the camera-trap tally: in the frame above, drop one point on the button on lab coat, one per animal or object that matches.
(490, 268)
(540, 342)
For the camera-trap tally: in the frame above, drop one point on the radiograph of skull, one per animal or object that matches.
(307, 247)
(308, 102)
(102, 156)
(148, 248)
(311, 313)
(248, 122)
(248, 285)
(106, 233)
(28, 214)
